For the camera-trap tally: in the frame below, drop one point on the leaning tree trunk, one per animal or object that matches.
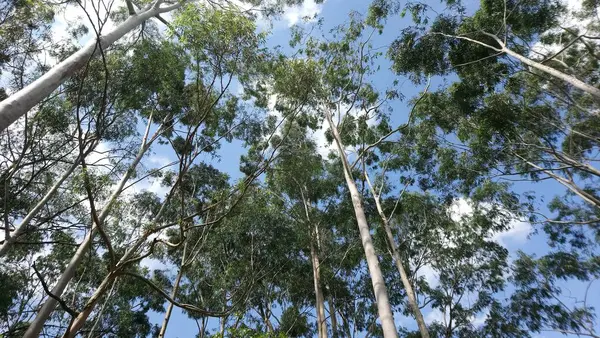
(34, 330)
(556, 73)
(410, 293)
(19, 103)
(381, 296)
(534, 64)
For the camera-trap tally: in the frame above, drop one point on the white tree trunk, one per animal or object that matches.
(381, 296)
(321, 323)
(410, 293)
(22, 101)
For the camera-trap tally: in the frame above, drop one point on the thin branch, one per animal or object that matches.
(62, 303)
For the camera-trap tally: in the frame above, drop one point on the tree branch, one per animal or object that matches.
(62, 303)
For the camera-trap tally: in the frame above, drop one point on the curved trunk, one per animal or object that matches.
(384, 308)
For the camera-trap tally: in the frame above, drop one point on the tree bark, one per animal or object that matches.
(78, 322)
(412, 299)
(19, 103)
(321, 323)
(333, 316)
(381, 296)
(537, 65)
(99, 316)
(316, 267)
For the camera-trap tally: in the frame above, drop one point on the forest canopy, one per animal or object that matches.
(299, 168)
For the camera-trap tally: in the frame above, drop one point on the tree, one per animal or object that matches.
(341, 83)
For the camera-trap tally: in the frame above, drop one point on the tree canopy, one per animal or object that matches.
(298, 168)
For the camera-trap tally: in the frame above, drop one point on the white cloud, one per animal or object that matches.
(93, 14)
(435, 315)
(516, 233)
(153, 264)
(568, 19)
(308, 9)
(430, 275)
(100, 157)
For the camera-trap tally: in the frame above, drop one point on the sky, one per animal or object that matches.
(334, 12)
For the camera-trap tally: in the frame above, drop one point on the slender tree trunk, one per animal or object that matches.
(99, 316)
(163, 328)
(202, 333)
(222, 327)
(381, 296)
(34, 330)
(266, 319)
(321, 323)
(316, 267)
(333, 316)
(346, 325)
(589, 198)
(22, 101)
(412, 299)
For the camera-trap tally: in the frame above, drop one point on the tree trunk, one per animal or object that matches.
(333, 316)
(321, 323)
(266, 319)
(163, 328)
(316, 267)
(33, 331)
(99, 316)
(78, 322)
(19, 103)
(381, 296)
(412, 299)
(222, 327)
(589, 198)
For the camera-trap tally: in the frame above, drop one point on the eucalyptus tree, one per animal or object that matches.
(335, 82)
(297, 176)
(557, 146)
